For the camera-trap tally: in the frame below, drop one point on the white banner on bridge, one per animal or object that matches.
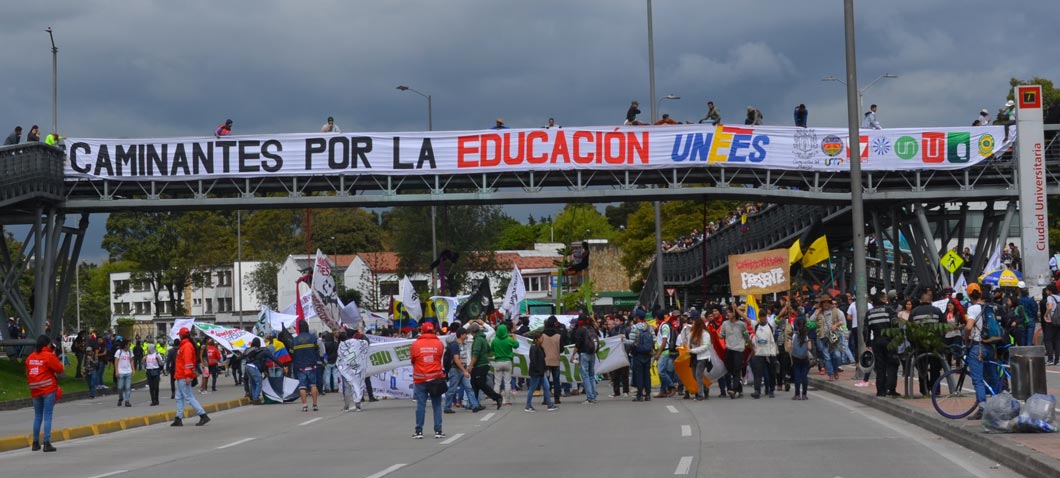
(520, 150)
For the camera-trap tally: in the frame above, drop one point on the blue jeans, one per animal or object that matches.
(640, 366)
(124, 386)
(587, 366)
(254, 378)
(977, 357)
(800, 369)
(42, 411)
(832, 358)
(90, 378)
(1028, 334)
(542, 382)
(185, 395)
(458, 385)
(419, 392)
(331, 378)
(667, 375)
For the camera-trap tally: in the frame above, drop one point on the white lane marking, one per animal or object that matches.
(671, 408)
(387, 471)
(487, 417)
(686, 430)
(683, 466)
(959, 461)
(109, 474)
(237, 442)
(307, 422)
(452, 438)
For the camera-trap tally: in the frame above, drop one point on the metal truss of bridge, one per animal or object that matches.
(34, 191)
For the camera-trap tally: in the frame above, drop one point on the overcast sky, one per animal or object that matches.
(156, 69)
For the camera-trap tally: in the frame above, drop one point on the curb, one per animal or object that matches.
(28, 402)
(24, 441)
(1016, 457)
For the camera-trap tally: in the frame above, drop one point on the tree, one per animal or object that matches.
(516, 236)
(262, 283)
(345, 231)
(678, 218)
(581, 221)
(618, 214)
(151, 241)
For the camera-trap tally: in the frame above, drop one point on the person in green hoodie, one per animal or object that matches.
(503, 350)
(480, 363)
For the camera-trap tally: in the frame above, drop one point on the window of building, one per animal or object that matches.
(388, 288)
(535, 283)
(224, 278)
(209, 306)
(121, 286)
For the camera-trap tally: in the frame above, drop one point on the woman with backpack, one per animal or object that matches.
(642, 345)
(800, 347)
(764, 360)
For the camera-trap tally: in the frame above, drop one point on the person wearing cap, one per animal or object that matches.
(666, 353)
(90, 363)
(984, 118)
(885, 362)
(927, 314)
(640, 360)
(184, 372)
(223, 130)
(427, 357)
(1029, 313)
(499, 124)
(330, 126)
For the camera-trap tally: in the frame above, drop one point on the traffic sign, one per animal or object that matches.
(952, 261)
(670, 291)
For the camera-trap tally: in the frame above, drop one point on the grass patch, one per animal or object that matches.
(13, 380)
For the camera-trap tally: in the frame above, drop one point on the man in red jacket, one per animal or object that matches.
(41, 367)
(427, 372)
(184, 372)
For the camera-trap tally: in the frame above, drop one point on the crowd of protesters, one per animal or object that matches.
(739, 217)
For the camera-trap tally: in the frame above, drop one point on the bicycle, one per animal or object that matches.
(956, 402)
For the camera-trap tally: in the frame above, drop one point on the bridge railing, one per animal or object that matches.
(30, 171)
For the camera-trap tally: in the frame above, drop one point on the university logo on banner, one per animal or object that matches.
(760, 272)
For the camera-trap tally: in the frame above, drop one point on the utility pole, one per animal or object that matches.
(239, 263)
(857, 210)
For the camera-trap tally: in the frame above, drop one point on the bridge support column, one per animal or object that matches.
(929, 244)
(50, 252)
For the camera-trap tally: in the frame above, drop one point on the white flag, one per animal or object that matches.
(516, 293)
(325, 293)
(410, 299)
(350, 314)
(961, 285)
(994, 263)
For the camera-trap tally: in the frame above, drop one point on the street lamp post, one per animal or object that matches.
(658, 215)
(658, 102)
(434, 209)
(861, 92)
(55, 83)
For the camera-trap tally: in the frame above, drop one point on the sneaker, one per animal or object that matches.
(625, 395)
(478, 409)
(345, 409)
(177, 422)
(36, 446)
(978, 415)
(358, 409)
(529, 410)
(448, 411)
(120, 402)
(862, 384)
(418, 435)
(611, 395)
(439, 434)
(553, 408)
(127, 404)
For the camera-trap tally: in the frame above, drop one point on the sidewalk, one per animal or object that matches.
(88, 417)
(1032, 454)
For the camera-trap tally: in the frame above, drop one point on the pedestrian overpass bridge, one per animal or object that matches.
(801, 171)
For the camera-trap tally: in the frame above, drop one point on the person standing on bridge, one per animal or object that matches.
(631, 114)
(330, 126)
(871, 122)
(184, 372)
(802, 116)
(223, 130)
(713, 114)
(34, 134)
(14, 137)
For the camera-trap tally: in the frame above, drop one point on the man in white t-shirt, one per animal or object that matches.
(979, 354)
(124, 363)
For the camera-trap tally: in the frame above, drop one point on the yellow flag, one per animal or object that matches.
(816, 253)
(795, 252)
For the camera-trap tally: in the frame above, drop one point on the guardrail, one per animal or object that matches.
(31, 171)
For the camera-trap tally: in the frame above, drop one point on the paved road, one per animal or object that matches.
(822, 437)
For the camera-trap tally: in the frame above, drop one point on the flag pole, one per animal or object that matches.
(831, 274)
